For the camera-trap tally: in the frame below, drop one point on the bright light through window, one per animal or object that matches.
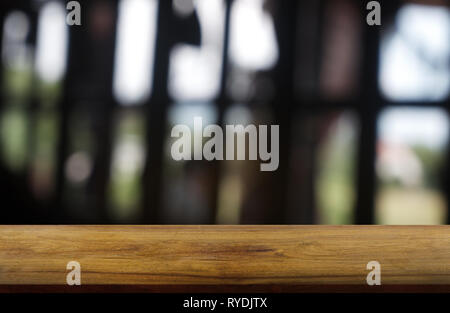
(195, 71)
(51, 42)
(135, 48)
(415, 55)
(253, 44)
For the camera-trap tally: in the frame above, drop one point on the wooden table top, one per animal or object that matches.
(224, 258)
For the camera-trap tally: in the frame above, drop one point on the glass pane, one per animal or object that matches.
(411, 153)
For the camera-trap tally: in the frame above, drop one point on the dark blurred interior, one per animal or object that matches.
(86, 111)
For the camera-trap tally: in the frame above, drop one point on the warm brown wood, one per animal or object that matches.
(262, 258)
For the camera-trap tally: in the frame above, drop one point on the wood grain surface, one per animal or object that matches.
(241, 258)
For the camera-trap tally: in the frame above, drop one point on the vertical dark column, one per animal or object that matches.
(308, 47)
(285, 25)
(446, 175)
(5, 216)
(222, 104)
(19, 206)
(446, 183)
(89, 80)
(34, 213)
(366, 165)
(368, 108)
(3, 12)
(370, 103)
(103, 25)
(77, 38)
(58, 214)
(156, 111)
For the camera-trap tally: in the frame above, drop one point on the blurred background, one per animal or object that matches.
(86, 111)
